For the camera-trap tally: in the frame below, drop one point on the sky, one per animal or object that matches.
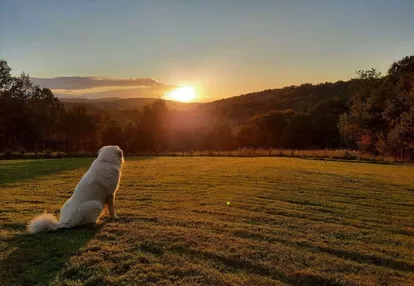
(220, 48)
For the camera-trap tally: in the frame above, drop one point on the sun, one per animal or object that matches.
(184, 94)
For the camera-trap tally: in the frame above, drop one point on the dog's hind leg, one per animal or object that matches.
(88, 212)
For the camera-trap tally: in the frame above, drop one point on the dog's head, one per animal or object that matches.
(111, 154)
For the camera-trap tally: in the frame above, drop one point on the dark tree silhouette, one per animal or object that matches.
(371, 112)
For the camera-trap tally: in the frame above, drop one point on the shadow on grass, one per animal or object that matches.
(38, 258)
(16, 171)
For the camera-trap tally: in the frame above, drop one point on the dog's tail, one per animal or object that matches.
(43, 222)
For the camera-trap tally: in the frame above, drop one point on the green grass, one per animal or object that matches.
(289, 221)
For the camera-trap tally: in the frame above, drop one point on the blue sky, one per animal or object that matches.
(221, 48)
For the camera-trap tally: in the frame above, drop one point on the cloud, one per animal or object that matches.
(76, 82)
(103, 86)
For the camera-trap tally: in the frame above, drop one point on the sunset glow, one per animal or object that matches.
(183, 94)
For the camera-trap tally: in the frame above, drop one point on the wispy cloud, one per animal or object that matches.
(106, 86)
(77, 82)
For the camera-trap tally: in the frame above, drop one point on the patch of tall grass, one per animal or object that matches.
(324, 154)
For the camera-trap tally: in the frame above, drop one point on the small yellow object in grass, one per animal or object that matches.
(228, 203)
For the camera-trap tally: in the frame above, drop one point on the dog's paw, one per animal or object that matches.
(114, 216)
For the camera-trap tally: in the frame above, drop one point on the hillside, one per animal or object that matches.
(239, 108)
(299, 98)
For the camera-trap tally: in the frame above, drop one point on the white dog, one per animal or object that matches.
(94, 192)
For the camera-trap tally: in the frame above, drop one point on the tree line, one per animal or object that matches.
(373, 113)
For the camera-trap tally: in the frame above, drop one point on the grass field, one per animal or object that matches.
(215, 221)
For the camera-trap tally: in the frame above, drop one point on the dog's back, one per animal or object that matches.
(101, 180)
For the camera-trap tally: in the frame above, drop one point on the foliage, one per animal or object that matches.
(372, 113)
(28, 114)
(381, 114)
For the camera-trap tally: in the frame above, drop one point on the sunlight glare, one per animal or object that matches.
(184, 94)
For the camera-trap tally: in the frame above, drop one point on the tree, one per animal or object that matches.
(381, 113)
(399, 109)
(220, 137)
(48, 111)
(28, 114)
(113, 134)
(152, 132)
(248, 136)
(401, 136)
(365, 115)
(299, 132)
(79, 129)
(274, 123)
(325, 116)
(5, 75)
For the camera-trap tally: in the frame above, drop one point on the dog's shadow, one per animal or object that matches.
(38, 258)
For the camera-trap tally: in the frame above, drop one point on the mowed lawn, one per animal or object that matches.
(215, 221)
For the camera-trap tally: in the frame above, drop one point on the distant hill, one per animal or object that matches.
(236, 109)
(300, 98)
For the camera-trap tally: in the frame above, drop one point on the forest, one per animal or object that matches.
(372, 113)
